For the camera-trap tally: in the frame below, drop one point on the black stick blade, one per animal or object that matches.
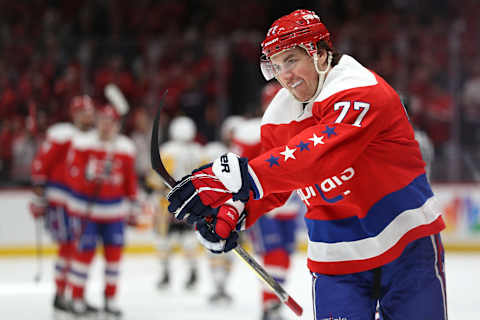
(155, 158)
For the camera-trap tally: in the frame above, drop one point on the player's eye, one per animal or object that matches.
(276, 68)
(290, 62)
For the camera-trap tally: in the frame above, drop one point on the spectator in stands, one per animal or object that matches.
(24, 147)
(141, 138)
(77, 48)
(471, 106)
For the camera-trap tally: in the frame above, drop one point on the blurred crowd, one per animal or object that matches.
(206, 54)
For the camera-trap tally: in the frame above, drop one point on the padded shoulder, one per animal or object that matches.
(125, 145)
(61, 132)
(84, 140)
(347, 74)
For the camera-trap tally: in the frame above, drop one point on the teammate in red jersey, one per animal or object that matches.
(103, 183)
(339, 135)
(50, 191)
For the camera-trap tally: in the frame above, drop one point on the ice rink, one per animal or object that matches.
(21, 298)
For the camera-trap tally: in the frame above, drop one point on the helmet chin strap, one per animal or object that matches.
(321, 75)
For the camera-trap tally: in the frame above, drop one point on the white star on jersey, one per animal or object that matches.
(288, 153)
(316, 140)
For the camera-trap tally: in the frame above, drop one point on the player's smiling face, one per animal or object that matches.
(296, 72)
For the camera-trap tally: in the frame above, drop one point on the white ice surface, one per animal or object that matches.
(21, 298)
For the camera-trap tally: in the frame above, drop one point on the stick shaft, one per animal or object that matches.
(268, 280)
(158, 166)
(38, 249)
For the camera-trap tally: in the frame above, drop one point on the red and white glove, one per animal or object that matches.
(38, 206)
(218, 233)
(141, 215)
(196, 195)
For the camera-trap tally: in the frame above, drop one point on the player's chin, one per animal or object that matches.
(301, 95)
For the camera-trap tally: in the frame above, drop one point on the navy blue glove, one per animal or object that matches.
(185, 201)
(218, 233)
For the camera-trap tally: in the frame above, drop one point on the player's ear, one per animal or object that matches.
(322, 55)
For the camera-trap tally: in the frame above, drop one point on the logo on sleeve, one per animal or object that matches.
(327, 185)
(224, 163)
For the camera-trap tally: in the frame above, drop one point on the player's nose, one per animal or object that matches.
(287, 76)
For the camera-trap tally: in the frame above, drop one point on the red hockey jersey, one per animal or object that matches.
(352, 157)
(246, 142)
(48, 166)
(101, 177)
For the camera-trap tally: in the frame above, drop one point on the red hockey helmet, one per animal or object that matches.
(81, 103)
(299, 28)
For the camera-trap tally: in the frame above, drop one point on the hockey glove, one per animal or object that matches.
(210, 186)
(140, 215)
(38, 206)
(218, 233)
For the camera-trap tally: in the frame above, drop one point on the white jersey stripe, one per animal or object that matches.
(439, 277)
(374, 246)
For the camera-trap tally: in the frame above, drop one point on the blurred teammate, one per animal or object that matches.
(50, 190)
(180, 155)
(227, 130)
(220, 264)
(101, 176)
(273, 236)
(338, 133)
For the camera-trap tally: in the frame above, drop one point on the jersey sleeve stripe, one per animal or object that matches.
(255, 184)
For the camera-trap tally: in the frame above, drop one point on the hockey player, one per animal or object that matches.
(181, 154)
(103, 183)
(273, 236)
(337, 132)
(50, 191)
(227, 130)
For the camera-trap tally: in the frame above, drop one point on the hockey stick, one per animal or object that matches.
(32, 127)
(158, 166)
(115, 96)
(38, 250)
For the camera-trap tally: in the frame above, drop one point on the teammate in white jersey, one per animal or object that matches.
(220, 264)
(181, 154)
